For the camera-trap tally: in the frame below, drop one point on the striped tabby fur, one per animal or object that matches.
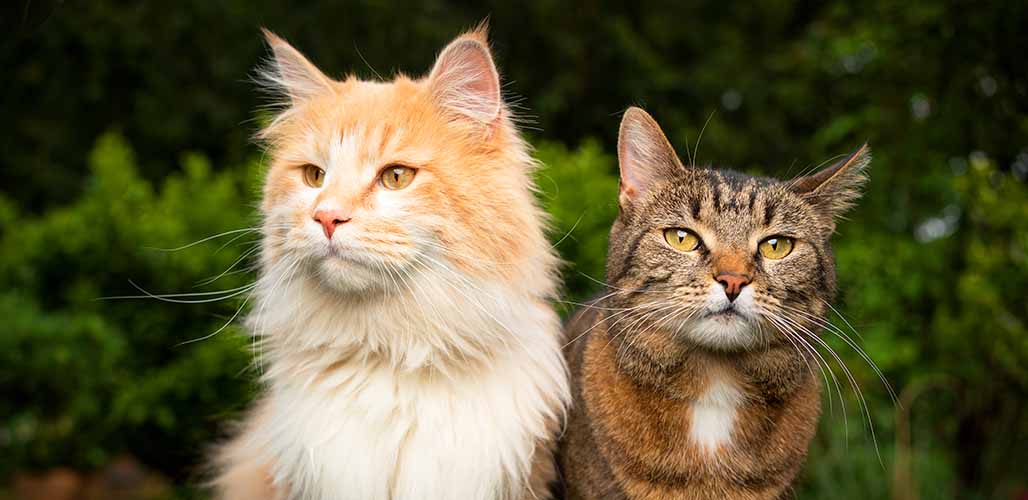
(673, 396)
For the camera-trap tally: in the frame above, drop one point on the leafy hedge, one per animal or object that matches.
(85, 378)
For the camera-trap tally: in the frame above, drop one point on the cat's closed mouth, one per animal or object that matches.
(726, 313)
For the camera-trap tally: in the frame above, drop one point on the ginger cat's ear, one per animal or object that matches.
(291, 73)
(644, 155)
(464, 80)
(836, 188)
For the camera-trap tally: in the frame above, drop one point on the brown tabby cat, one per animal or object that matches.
(693, 376)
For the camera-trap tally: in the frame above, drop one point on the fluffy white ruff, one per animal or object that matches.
(446, 391)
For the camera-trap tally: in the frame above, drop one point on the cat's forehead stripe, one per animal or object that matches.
(694, 207)
(727, 192)
(769, 210)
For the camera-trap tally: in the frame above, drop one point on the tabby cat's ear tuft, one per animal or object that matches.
(835, 189)
(464, 80)
(291, 73)
(644, 155)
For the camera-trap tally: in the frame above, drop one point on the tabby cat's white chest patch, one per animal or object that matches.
(713, 414)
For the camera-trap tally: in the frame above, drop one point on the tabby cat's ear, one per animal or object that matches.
(644, 155)
(836, 188)
(291, 73)
(464, 80)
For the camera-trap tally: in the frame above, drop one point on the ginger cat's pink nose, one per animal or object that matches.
(330, 219)
(733, 284)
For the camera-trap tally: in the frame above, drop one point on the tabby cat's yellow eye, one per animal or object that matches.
(397, 176)
(682, 240)
(313, 176)
(775, 247)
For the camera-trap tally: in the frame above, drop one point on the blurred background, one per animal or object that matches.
(126, 130)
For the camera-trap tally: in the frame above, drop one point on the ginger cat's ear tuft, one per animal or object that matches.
(835, 189)
(464, 80)
(645, 156)
(290, 73)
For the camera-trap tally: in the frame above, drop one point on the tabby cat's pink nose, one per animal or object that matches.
(330, 219)
(733, 284)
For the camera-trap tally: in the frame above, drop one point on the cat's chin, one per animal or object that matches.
(721, 332)
(347, 277)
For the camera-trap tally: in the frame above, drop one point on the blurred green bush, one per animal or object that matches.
(84, 379)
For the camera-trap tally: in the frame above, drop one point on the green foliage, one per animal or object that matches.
(579, 190)
(946, 304)
(85, 379)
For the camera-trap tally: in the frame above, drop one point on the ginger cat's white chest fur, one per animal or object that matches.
(363, 432)
(340, 421)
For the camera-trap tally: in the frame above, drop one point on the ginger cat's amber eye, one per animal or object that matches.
(682, 240)
(775, 247)
(397, 176)
(313, 176)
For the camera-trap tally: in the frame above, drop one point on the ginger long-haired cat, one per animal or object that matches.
(405, 334)
(693, 377)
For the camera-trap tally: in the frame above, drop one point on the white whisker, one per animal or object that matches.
(849, 376)
(224, 326)
(203, 240)
(849, 341)
(170, 297)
